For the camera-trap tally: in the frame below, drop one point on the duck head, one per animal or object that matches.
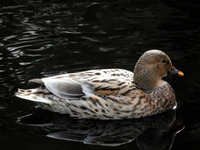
(151, 67)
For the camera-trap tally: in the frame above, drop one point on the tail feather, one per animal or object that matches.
(39, 81)
(33, 95)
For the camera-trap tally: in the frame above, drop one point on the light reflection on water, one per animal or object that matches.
(107, 133)
(39, 39)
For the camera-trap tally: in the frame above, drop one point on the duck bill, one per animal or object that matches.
(176, 72)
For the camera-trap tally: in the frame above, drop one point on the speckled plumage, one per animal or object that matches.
(102, 94)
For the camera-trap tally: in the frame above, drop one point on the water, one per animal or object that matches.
(42, 38)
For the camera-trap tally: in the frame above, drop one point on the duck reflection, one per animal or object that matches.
(152, 133)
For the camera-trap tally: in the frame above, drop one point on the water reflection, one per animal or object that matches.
(155, 133)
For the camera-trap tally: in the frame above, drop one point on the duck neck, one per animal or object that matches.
(146, 79)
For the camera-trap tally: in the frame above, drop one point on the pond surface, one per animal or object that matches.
(42, 38)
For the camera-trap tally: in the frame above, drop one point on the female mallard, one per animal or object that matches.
(109, 93)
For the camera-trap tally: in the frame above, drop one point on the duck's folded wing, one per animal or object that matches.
(96, 82)
(67, 88)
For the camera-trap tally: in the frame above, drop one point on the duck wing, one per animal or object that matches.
(98, 82)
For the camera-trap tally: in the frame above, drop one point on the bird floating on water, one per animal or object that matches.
(109, 93)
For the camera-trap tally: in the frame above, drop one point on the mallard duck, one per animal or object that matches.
(109, 93)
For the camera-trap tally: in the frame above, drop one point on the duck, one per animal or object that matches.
(109, 94)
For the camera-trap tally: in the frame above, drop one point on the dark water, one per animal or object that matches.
(41, 38)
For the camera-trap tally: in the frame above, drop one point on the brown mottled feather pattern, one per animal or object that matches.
(105, 105)
(109, 93)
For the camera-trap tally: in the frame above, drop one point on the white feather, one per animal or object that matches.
(63, 88)
(34, 98)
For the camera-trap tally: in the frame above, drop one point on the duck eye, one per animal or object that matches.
(164, 61)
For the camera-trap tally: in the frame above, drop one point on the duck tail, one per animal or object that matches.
(35, 95)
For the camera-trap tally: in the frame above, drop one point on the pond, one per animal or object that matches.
(40, 38)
